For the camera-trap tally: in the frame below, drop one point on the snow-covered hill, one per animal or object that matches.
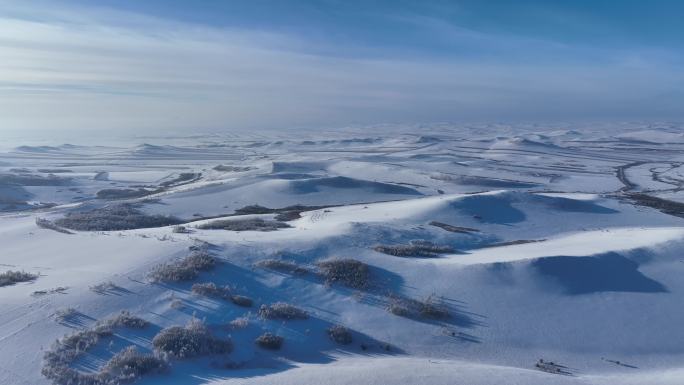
(478, 252)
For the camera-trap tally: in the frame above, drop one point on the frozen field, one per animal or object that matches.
(477, 251)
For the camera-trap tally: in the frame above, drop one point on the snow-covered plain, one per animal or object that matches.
(550, 252)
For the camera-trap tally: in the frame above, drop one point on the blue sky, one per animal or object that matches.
(209, 65)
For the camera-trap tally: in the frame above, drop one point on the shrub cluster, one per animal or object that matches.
(348, 272)
(417, 248)
(185, 269)
(58, 359)
(125, 193)
(195, 339)
(239, 323)
(269, 341)
(253, 224)
(412, 308)
(182, 178)
(210, 289)
(282, 310)
(340, 334)
(49, 225)
(104, 287)
(282, 266)
(224, 168)
(11, 277)
(129, 365)
(66, 315)
(123, 216)
(452, 228)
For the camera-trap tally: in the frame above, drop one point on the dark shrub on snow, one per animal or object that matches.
(347, 272)
(340, 334)
(282, 310)
(269, 341)
(195, 339)
(124, 216)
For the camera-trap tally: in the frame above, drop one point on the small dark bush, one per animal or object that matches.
(254, 209)
(241, 300)
(11, 277)
(287, 216)
(348, 272)
(415, 248)
(124, 216)
(412, 308)
(126, 319)
(209, 289)
(282, 266)
(194, 339)
(129, 365)
(340, 334)
(185, 269)
(58, 359)
(452, 228)
(223, 168)
(254, 224)
(182, 178)
(282, 310)
(269, 341)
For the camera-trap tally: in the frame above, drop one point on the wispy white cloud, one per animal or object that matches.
(105, 69)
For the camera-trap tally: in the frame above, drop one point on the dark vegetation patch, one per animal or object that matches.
(33, 180)
(185, 269)
(269, 341)
(281, 266)
(125, 193)
(429, 308)
(108, 287)
(140, 192)
(345, 271)
(254, 224)
(195, 339)
(241, 300)
(283, 214)
(210, 289)
(49, 225)
(12, 277)
(512, 243)
(418, 248)
(182, 178)
(282, 310)
(663, 205)
(453, 229)
(226, 168)
(129, 365)
(124, 216)
(340, 334)
(58, 359)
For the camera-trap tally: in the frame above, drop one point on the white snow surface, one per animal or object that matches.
(548, 256)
